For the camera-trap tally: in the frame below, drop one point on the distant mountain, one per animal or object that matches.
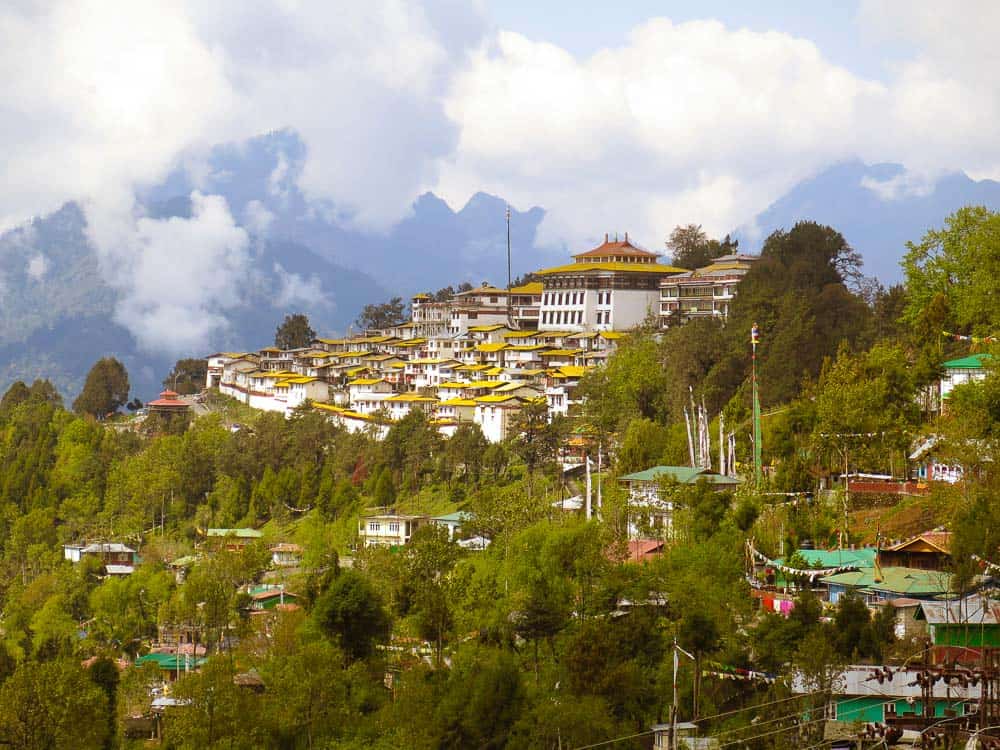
(57, 314)
(877, 208)
(432, 247)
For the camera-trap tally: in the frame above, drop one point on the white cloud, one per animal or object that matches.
(297, 289)
(38, 265)
(257, 217)
(691, 122)
(685, 123)
(945, 98)
(905, 185)
(179, 277)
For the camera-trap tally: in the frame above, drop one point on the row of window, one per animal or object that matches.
(559, 317)
(562, 298)
(697, 291)
(574, 298)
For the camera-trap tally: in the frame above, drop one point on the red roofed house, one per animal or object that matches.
(168, 403)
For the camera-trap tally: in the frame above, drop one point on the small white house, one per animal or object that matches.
(959, 371)
(286, 555)
(495, 414)
(388, 529)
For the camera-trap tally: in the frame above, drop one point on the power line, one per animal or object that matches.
(616, 739)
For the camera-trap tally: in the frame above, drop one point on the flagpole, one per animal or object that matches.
(757, 470)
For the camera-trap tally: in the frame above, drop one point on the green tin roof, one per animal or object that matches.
(459, 516)
(171, 662)
(680, 474)
(972, 362)
(239, 533)
(834, 558)
(910, 581)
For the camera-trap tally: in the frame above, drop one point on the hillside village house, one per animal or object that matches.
(118, 559)
(230, 539)
(388, 529)
(958, 371)
(366, 395)
(615, 286)
(647, 504)
(704, 292)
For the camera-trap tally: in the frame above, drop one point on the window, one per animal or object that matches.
(373, 526)
(493, 299)
(394, 527)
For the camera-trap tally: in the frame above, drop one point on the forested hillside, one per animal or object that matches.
(553, 636)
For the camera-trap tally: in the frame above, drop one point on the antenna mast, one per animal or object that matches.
(510, 321)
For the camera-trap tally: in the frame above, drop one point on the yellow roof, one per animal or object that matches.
(332, 341)
(472, 368)
(530, 372)
(497, 399)
(526, 347)
(341, 411)
(486, 384)
(458, 402)
(453, 384)
(582, 335)
(421, 296)
(398, 365)
(366, 381)
(561, 352)
(532, 287)
(554, 334)
(410, 397)
(356, 371)
(487, 329)
(302, 380)
(270, 349)
(656, 268)
(507, 387)
(520, 335)
(573, 371)
(612, 335)
(495, 347)
(493, 371)
(379, 357)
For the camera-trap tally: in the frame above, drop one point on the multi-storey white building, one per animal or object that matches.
(705, 292)
(615, 286)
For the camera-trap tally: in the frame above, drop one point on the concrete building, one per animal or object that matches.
(704, 292)
(615, 286)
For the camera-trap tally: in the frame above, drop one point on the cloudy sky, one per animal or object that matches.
(631, 115)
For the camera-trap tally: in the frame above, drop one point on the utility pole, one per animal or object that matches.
(673, 708)
(510, 321)
(757, 469)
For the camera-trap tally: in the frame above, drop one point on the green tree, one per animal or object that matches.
(384, 315)
(52, 704)
(953, 275)
(294, 332)
(105, 390)
(699, 634)
(798, 296)
(534, 438)
(351, 612)
(385, 490)
(690, 247)
(187, 375)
